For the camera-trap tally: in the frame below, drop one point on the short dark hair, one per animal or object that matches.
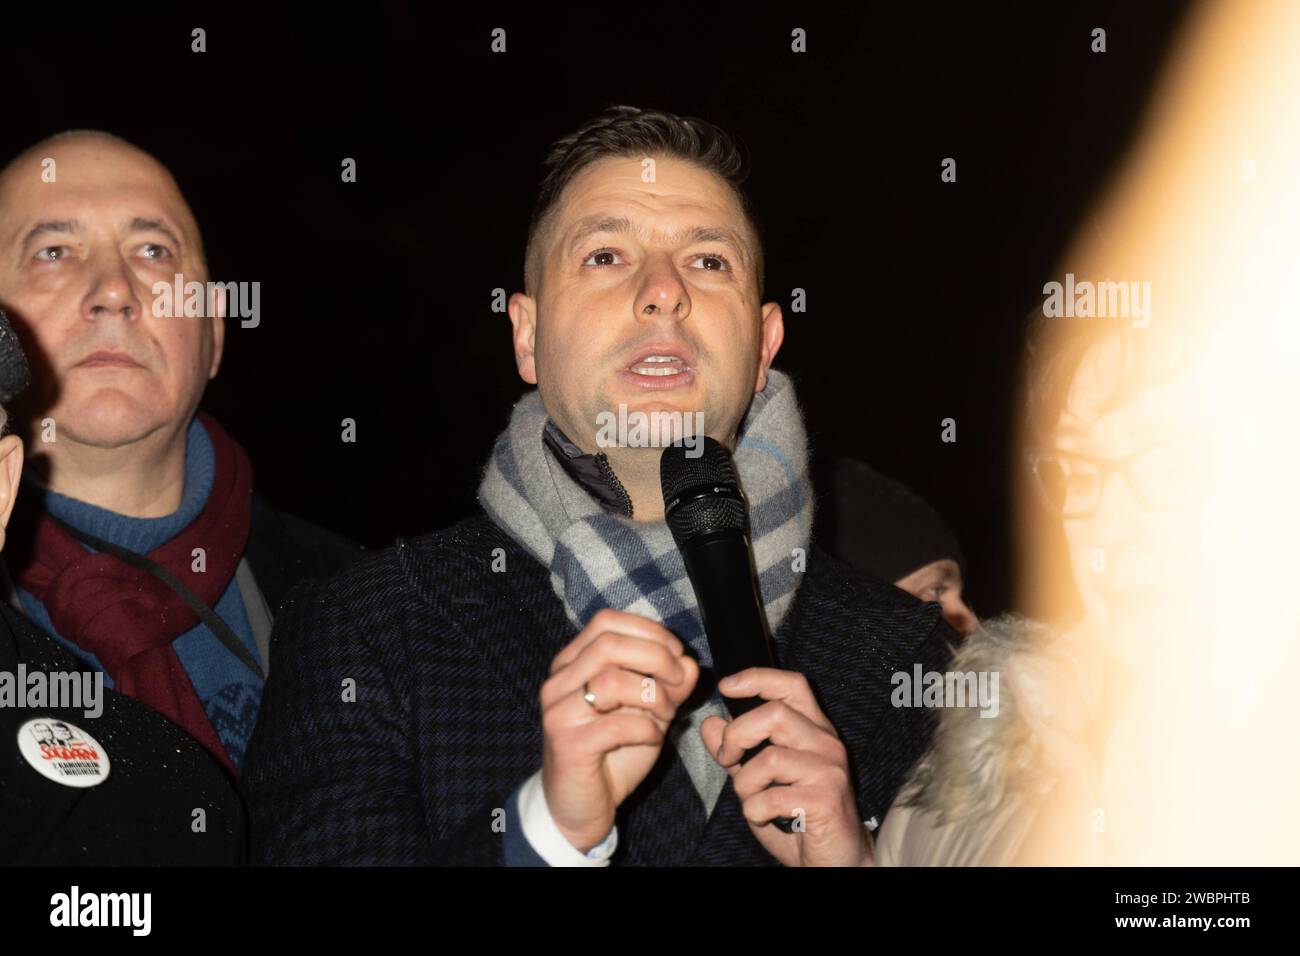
(629, 131)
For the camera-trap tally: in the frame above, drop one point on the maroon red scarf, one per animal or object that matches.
(126, 616)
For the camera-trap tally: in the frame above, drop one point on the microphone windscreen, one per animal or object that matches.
(14, 372)
(683, 474)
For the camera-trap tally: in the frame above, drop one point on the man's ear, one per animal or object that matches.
(218, 331)
(523, 317)
(11, 469)
(773, 334)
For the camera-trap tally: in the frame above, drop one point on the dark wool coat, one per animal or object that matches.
(447, 658)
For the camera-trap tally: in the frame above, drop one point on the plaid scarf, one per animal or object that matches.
(599, 560)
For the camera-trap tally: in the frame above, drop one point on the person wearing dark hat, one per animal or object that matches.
(94, 778)
(888, 532)
(138, 543)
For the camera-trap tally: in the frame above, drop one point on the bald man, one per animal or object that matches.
(138, 541)
(81, 782)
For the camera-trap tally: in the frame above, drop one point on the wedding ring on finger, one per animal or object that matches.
(588, 696)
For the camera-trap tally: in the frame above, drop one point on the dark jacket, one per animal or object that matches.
(158, 774)
(284, 550)
(447, 659)
(142, 814)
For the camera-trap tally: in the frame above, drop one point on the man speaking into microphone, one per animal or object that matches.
(534, 685)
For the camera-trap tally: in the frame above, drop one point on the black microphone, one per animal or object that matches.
(708, 514)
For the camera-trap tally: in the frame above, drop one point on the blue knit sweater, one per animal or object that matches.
(229, 691)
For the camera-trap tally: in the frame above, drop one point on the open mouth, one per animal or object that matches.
(654, 366)
(656, 372)
(660, 366)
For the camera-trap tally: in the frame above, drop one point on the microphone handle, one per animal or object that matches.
(743, 705)
(721, 569)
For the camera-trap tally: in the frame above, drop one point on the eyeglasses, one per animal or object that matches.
(1163, 477)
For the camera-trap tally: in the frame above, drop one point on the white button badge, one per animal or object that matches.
(63, 752)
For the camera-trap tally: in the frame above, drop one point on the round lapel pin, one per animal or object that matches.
(63, 752)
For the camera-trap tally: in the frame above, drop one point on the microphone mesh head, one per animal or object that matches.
(15, 375)
(678, 472)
